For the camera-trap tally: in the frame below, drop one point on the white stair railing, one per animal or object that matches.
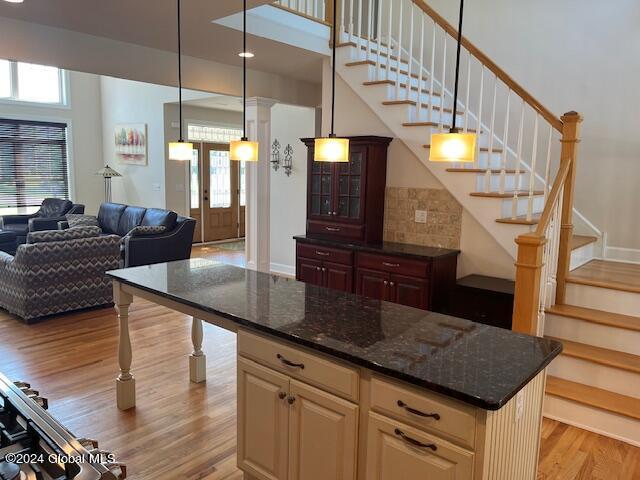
(310, 8)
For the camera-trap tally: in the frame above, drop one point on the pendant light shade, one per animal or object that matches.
(180, 150)
(244, 150)
(332, 148)
(454, 146)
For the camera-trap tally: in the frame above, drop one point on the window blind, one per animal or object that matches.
(33, 162)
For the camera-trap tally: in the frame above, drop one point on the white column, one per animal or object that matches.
(258, 184)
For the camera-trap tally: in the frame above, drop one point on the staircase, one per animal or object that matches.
(400, 60)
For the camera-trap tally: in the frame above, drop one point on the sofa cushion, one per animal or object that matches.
(20, 229)
(159, 217)
(144, 230)
(54, 207)
(78, 220)
(109, 216)
(130, 218)
(63, 235)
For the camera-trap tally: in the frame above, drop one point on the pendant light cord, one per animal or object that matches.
(455, 94)
(333, 71)
(180, 72)
(244, 72)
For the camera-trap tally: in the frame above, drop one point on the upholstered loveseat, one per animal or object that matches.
(58, 271)
(161, 236)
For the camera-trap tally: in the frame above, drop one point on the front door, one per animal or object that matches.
(217, 199)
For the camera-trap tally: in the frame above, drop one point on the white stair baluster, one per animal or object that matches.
(514, 206)
(505, 144)
(378, 39)
(342, 24)
(432, 73)
(487, 176)
(532, 178)
(351, 22)
(479, 122)
(369, 30)
(400, 54)
(547, 180)
(466, 100)
(359, 41)
(444, 83)
(389, 36)
(410, 64)
(420, 70)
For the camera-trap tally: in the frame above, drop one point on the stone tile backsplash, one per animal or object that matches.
(444, 217)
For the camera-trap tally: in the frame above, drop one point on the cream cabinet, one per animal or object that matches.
(290, 430)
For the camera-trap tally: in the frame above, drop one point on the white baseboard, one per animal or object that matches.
(622, 254)
(283, 269)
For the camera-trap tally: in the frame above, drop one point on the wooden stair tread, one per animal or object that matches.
(597, 316)
(392, 69)
(521, 220)
(505, 194)
(482, 149)
(594, 397)
(603, 356)
(495, 171)
(605, 274)
(402, 85)
(578, 241)
(413, 103)
(431, 124)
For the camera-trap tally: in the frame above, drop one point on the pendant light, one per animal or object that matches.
(180, 150)
(243, 150)
(454, 146)
(332, 148)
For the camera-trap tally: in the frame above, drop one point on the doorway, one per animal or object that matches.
(217, 193)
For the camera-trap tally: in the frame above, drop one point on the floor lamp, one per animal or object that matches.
(107, 173)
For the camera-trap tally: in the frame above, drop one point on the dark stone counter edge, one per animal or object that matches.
(486, 404)
(379, 249)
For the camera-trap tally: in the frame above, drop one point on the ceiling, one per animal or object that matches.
(152, 23)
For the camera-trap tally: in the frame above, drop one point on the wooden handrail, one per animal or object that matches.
(552, 199)
(554, 121)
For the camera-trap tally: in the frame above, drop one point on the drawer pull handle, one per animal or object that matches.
(435, 416)
(414, 442)
(332, 229)
(387, 264)
(289, 363)
(291, 399)
(323, 254)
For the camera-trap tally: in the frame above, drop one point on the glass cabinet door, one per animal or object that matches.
(349, 194)
(321, 189)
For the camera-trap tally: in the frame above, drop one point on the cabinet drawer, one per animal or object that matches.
(396, 450)
(399, 265)
(335, 229)
(334, 255)
(309, 368)
(456, 421)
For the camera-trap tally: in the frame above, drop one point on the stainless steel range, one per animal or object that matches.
(35, 446)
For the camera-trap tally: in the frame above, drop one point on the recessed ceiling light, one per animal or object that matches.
(14, 1)
(246, 54)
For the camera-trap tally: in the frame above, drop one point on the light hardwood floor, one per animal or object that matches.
(185, 431)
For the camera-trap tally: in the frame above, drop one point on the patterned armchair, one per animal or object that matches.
(58, 271)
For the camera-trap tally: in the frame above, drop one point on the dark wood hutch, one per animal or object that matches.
(344, 249)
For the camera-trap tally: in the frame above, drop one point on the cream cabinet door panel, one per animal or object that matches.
(398, 452)
(263, 421)
(323, 435)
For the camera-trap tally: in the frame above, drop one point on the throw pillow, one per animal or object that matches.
(143, 230)
(63, 235)
(79, 220)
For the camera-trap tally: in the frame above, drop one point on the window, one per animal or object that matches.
(33, 164)
(26, 82)
(206, 133)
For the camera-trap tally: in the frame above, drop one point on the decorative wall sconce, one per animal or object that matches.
(275, 155)
(287, 163)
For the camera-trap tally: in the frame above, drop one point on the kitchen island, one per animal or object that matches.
(332, 385)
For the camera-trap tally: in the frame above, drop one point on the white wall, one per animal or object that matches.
(480, 253)
(85, 149)
(127, 101)
(583, 56)
(288, 205)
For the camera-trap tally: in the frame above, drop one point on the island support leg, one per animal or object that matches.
(125, 383)
(197, 360)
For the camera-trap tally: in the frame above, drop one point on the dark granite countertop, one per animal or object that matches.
(386, 248)
(478, 364)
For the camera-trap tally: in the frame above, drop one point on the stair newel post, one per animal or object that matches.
(526, 302)
(570, 139)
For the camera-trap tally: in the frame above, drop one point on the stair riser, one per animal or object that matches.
(522, 206)
(609, 300)
(593, 419)
(596, 375)
(582, 255)
(590, 333)
(509, 182)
